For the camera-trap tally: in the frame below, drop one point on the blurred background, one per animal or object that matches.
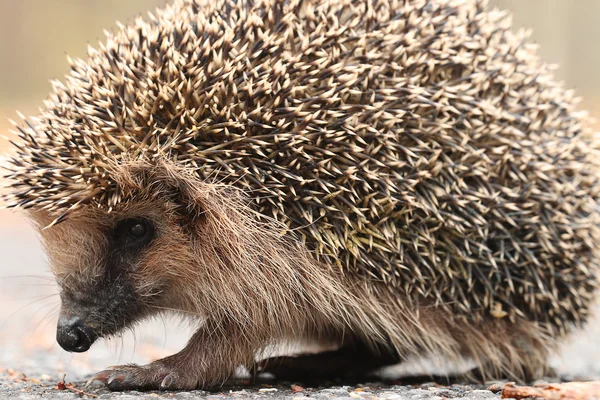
(35, 37)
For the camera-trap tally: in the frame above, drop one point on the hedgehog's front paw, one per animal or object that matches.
(155, 376)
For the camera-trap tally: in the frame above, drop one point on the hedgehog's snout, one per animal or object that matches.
(74, 335)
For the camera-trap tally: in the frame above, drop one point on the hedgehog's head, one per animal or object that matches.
(96, 257)
(116, 266)
(165, 245)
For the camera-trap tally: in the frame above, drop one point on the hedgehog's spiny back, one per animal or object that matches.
(420, 143)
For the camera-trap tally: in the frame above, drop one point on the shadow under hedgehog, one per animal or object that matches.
(392, 178)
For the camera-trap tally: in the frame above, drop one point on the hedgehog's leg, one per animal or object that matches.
(502, 350)
(207, 360)
(351, 361)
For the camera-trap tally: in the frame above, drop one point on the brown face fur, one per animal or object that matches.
(108, 278)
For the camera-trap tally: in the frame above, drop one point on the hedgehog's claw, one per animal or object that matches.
(102, 376)
(168, 382)
(122, 381)
(154, 376)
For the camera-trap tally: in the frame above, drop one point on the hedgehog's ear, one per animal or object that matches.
(185, 190)
(166, 179)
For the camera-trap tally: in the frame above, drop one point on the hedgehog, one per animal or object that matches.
(389, 179)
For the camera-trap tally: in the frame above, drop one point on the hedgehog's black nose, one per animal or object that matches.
(72, 334)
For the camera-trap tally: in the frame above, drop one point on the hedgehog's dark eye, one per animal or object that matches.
(134, 232)
(138, 230)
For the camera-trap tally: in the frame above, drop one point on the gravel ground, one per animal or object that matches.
(32, 364)
(432, 391)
